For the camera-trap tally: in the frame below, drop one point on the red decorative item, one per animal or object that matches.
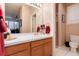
(43, 26)
(38, 29)
(47, 29)
(3, 28)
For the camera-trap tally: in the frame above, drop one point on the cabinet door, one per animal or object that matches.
(16, 48)
(37, 51)
(48, 49)
(23, 53)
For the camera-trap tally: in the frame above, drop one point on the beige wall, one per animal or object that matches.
(72, 25)
(45, 15)
(39, 17)
(61, 26)
(25, 15)
(72, 29)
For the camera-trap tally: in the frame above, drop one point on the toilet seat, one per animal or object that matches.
(74, 44)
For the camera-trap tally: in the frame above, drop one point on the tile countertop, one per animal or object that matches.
(25, 37)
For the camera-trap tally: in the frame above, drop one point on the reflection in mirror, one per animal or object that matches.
(34, 22)
(23, 18)
(14, 25)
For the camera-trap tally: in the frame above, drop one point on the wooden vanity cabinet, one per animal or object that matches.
(41, 47)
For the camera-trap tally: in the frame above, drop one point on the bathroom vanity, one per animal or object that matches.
(33, 47)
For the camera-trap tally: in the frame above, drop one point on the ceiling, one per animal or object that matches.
(12, 9)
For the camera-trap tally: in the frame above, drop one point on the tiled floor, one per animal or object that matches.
(64, 51)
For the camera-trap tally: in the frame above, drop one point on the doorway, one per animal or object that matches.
(56, 26)
(34, 22)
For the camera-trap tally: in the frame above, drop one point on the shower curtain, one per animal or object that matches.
(3, 29)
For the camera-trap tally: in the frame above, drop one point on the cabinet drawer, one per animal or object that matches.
(36, 43)
(16, 48)
(47, 40)
(23, 53)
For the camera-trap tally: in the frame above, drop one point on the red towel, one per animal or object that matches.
(38, 29)
(3, 28)
(47, 29)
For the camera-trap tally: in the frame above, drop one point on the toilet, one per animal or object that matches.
(74, 43)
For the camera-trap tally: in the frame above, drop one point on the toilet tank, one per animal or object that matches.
(74, 38)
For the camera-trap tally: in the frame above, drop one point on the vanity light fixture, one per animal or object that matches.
(36, 4)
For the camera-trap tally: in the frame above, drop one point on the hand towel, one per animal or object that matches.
(47, 29)
(3, 28)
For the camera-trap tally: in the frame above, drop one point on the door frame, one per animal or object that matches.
(31, 20)
(56, 26)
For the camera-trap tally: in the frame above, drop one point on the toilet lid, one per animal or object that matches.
(74, 43)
